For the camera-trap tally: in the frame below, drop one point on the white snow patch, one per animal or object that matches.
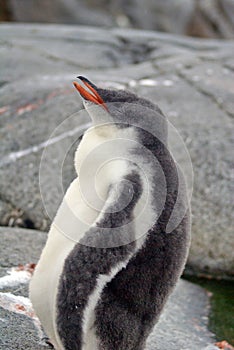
(168, 83)
(132, 83)
(148, 82)
(14, 278)
(16, 303)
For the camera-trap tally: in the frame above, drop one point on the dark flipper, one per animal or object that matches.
(101, 249)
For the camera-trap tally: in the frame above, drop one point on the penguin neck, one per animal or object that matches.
(94, 137)
(97, 113)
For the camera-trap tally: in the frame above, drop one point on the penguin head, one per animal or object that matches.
(123, 108)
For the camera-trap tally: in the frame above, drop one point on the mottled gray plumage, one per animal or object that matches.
(129, 304)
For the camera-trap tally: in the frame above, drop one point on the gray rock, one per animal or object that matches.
(191, 80)
(20, 246)
(217, 21)
(160, 15)
(203, 18)
(228, 7)
(182, 326)
(69, 11)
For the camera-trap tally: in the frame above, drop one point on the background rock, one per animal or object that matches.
(191, 80)
(159, 15)
(182, 326)
(203, 18)
(70, 11)
(212, 19)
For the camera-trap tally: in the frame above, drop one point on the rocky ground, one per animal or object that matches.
(183, 325)
(191, 80)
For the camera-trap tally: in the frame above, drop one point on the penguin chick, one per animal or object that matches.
(120, 239)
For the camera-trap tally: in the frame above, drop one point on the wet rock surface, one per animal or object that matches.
(191, 80)
(182, 326)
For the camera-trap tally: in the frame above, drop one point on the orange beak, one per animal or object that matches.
(91, 95)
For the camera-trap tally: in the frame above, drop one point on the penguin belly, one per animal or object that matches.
(44, 284)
